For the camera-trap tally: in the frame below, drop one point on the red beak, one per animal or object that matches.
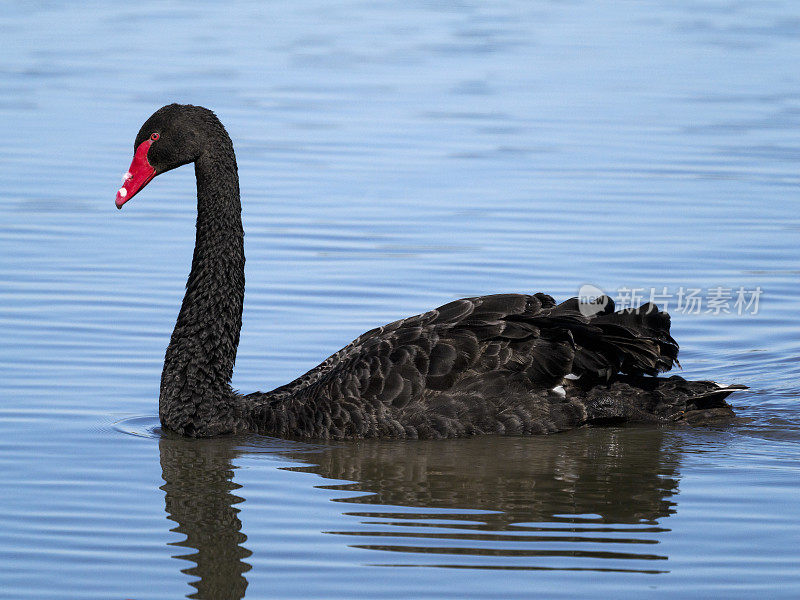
(139, 174)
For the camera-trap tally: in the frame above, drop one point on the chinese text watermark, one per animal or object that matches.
(715, 300)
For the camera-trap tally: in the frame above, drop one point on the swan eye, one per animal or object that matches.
(154, 136)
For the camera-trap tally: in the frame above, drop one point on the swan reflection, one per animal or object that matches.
(585, 500)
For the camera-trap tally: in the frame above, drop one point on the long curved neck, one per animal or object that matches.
(196, 398)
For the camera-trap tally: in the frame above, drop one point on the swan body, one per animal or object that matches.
(499, 364)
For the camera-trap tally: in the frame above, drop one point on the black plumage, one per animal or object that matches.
(501, 364)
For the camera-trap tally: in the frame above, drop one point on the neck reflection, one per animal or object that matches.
(199, 497)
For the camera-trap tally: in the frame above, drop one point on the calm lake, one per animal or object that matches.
(395, 156)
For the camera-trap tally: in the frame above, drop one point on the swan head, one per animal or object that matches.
(174, 135)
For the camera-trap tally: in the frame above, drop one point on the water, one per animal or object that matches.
(394, 157)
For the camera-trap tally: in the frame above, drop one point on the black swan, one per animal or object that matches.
(501, 364)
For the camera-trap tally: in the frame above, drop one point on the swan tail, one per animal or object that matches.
(708, 406)
(632, 399)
